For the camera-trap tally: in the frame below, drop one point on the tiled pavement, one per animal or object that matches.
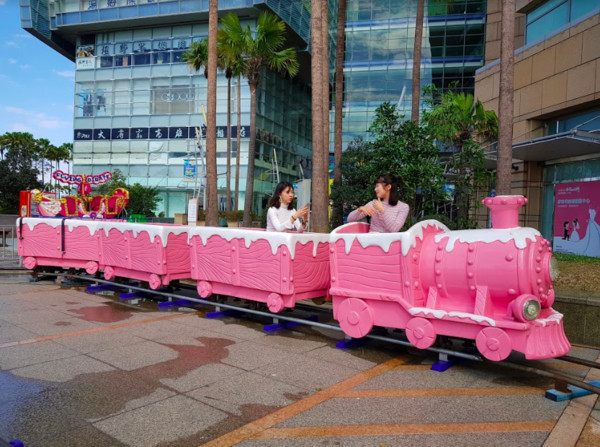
(78, 369)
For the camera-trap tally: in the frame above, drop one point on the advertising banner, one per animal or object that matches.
(576, 228)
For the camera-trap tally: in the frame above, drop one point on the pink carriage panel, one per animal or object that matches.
(151, 248)
(381, 266)
(256, 259)
(310, 268)
(43, 237)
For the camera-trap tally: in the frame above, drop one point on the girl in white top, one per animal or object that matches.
(282, 215)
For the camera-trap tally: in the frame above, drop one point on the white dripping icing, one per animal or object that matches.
(275, 239)
(440, 314)
(555, 317)
(70, 224)
(407, 239)
(518, 234)
(154, 230)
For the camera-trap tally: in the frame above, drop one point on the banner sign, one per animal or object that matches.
(76, 179)
(576, 228)
(189, 171)
(152, 133)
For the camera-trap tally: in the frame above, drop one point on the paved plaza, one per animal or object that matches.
(80, 369)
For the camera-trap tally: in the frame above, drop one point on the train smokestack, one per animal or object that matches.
(505, 210)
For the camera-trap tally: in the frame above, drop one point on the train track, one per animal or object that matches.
(561, 380)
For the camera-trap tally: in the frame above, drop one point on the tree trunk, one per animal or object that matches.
(319, 182)
(212, 212)
(251, 150)
(416, 76)
(238, 141)
(325, 97)
(337, 211)
(506, 103)
(228, 171)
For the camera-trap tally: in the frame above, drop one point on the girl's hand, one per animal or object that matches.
(368, 210)
(378, 205)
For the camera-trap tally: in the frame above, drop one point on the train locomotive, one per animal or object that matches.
(492, 286)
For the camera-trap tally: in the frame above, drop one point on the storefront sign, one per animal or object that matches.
(576, 218)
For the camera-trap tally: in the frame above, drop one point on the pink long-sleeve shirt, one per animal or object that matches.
(389, 221)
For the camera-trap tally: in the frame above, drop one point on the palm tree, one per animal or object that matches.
(339, 104)
(319, 183)
(233, 63)
(506, 103)
(259, 49)
(457, 121)
(197, 56)
(416, 76)
(212, 210)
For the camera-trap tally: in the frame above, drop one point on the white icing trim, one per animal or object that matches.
(519, 235)
(555, 317)
(274, 238)
(70, 224)
(440, 314)
(407, 239)
(154, 230)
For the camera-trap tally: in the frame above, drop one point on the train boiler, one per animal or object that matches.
(491, 285)
(269, 267)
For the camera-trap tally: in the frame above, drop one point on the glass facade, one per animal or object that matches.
(379, 54)
(554, 14)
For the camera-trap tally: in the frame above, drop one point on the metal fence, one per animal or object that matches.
(9, 259)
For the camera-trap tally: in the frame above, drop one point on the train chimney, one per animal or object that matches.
(505, 210)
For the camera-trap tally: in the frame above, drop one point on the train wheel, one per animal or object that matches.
(91, 267)
(420, 333)
(204, 289)
(30, 262)
(109, 273)
(355, 317)
(275, 303)
(155, 281)
(493, 343)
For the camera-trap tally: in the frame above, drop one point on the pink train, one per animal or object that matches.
(492, 286)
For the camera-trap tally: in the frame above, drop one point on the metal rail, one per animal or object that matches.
(171, 295)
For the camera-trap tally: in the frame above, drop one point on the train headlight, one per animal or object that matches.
(526, 307)
(531, 309)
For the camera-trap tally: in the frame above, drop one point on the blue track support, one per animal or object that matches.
(287, 324)
(176, 303)
(126, 296)
(444, 363)
(559, 396)
(223, 313)
(100, 287)
(42, 278)
(350, 343)
(16, 443)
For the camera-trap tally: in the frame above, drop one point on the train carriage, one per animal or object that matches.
(492, 285)
(156, 253)
(274, 268)
(65, 243)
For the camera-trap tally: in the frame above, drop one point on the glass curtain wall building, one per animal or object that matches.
(139, 108)
(379, 54)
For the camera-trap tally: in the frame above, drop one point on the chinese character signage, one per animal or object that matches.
(576, 227)
(145, 133)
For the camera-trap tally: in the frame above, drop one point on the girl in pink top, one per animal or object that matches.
(387, 213)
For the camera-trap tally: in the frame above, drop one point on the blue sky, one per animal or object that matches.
(38, 82)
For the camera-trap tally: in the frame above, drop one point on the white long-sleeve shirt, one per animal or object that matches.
(389, 221)
(280, 219)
